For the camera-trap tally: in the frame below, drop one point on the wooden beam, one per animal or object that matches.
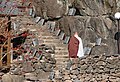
(4, 45)
(0, 57)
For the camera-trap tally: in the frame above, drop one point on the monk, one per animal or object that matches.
(75, 46)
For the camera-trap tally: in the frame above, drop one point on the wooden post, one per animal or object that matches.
(11, 52)
(8, 32)
(0, 57)
(9, 43)
(8, 51)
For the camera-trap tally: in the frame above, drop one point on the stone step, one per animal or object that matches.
(63, 64)
(47, 41)
(50, 43)
(61, 59)
(44, 37)
(60, 64)
(52, 40)
(63, 45)
(61, 56)
(47, 33)
(58, 52)
(48, 37)
(66, 51)
(60, 48)
(56, 44)
(61, 53)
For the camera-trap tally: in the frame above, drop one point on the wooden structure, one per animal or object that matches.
(5, 48)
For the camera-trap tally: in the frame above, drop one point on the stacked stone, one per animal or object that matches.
(92, 68)
(100, 68)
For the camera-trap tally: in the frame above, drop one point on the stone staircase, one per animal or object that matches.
(61, 50)
(49, 38)
(45, 36)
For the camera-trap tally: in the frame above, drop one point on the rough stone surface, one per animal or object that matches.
(50, 8)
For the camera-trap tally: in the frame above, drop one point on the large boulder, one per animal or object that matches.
(51, 8)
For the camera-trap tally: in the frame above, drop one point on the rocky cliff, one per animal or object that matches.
(93, 19)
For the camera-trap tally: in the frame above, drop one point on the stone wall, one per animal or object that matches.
(94, 68)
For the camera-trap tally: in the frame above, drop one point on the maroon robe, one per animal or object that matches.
(73, 46)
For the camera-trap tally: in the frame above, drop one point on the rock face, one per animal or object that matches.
(54, 8)
(93, 19)
(95, 7)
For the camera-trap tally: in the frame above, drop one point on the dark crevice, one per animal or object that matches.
(52, 19)
(77, 11)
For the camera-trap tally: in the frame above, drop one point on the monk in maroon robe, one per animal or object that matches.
(73, 46)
